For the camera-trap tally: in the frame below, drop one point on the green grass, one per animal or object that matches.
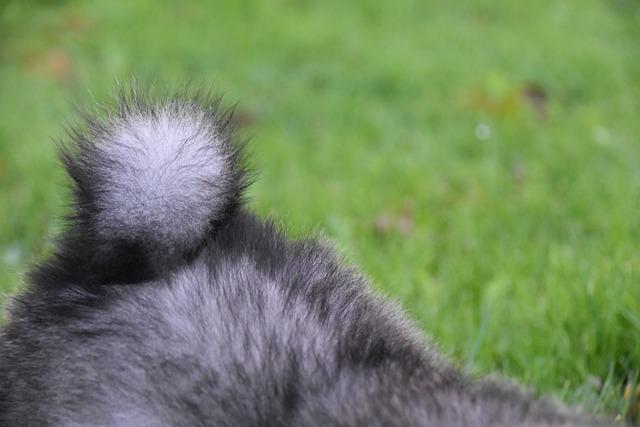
(479, 159)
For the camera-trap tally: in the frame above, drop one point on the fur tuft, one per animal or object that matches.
(158, 173)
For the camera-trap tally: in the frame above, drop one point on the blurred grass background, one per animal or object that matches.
(479, 159)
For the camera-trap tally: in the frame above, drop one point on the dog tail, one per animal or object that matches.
(155, 173)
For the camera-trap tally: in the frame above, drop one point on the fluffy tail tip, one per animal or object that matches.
(157, 173)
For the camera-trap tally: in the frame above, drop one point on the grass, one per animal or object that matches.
(479, 159)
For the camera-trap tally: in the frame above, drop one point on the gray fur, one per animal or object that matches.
(161, 177)
(168, 303)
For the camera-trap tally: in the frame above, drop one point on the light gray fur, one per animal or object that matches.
(161, 176)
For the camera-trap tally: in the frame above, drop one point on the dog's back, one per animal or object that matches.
(168, 303)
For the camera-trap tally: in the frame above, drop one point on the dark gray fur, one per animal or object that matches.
(184, 309)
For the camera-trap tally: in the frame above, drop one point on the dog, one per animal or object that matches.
(166, 302)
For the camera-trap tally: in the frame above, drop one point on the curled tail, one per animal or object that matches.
(157, 174)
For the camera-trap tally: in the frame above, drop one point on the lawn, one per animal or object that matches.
(478, 159)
